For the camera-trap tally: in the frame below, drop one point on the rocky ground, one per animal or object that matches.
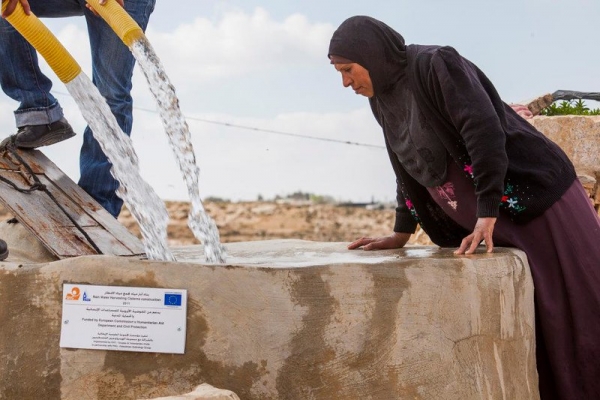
(265, 220)
(247, 221)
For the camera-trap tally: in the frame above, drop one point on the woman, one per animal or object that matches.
(469, 169)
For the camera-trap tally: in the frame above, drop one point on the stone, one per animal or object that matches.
(538, 104)
(203, 392)
(288, 319)
(579, 137)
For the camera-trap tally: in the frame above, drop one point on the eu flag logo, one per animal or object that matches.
(172, 299)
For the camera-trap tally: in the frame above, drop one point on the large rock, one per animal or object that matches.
(288, 320)
(579, 137)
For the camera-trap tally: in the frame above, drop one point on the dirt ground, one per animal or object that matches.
(248, 221)
(265, 220)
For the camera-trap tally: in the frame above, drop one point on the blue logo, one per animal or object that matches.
(172, 299)
(85, 297)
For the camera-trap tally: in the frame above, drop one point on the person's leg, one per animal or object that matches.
(112, 71)
(22, 80)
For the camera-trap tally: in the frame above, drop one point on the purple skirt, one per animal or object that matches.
(563, 250)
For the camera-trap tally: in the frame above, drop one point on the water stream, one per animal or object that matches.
(203, 227)
(144, 204)
(141, 200)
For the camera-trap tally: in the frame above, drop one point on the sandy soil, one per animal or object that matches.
(247, 221)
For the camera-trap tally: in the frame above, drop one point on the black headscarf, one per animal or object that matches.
(373, 45)
(381, 51)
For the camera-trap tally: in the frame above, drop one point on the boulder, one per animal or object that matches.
(579, 137)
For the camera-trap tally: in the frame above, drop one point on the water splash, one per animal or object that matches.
(141, 200)
(203, 227)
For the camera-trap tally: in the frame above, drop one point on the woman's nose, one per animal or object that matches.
(346, 81)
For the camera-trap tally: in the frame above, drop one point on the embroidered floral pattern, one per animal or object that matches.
(412, 209)
(409, 203)
(469, 170)
(446, 192)
(510, 200)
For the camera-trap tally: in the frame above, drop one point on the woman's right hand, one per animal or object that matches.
(394, 241)
(12, 4)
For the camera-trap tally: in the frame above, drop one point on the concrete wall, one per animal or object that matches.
(288, 320)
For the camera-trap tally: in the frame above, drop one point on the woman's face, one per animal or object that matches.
(357, 77)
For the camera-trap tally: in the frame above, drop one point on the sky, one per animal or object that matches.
(268, 114)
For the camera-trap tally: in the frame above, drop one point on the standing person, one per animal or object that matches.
(40, 118)
(468, 169)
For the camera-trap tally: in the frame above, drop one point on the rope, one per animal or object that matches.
(38, 185)
(35, 186)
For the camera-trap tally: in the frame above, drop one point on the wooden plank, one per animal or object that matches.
(41, 215)
(88, 204)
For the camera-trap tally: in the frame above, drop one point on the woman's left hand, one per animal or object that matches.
(522, 110)
(102, 3)
(484, 228)
(12, 4)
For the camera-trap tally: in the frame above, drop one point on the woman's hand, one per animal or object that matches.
(102, 3)
(394, 241)
(522, 110)
(484, 228)
(12, 4)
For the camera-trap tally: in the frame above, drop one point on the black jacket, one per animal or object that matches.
(515, 168)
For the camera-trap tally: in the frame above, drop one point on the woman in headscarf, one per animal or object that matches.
(469, 169)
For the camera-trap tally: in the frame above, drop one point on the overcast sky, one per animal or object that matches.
(264, 65)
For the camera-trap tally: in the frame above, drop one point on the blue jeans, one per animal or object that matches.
(112, 69)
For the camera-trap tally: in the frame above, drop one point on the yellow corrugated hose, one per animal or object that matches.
(118, 19)
(40, 37)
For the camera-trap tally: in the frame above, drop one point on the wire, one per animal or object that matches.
(252, 128)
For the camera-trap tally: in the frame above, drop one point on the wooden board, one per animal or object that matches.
(44, 218)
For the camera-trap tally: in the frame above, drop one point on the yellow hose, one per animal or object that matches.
(118, 19)
(40, 37)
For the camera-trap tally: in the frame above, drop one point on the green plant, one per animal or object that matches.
(319, 199)
(215, 199)
(569, 107)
